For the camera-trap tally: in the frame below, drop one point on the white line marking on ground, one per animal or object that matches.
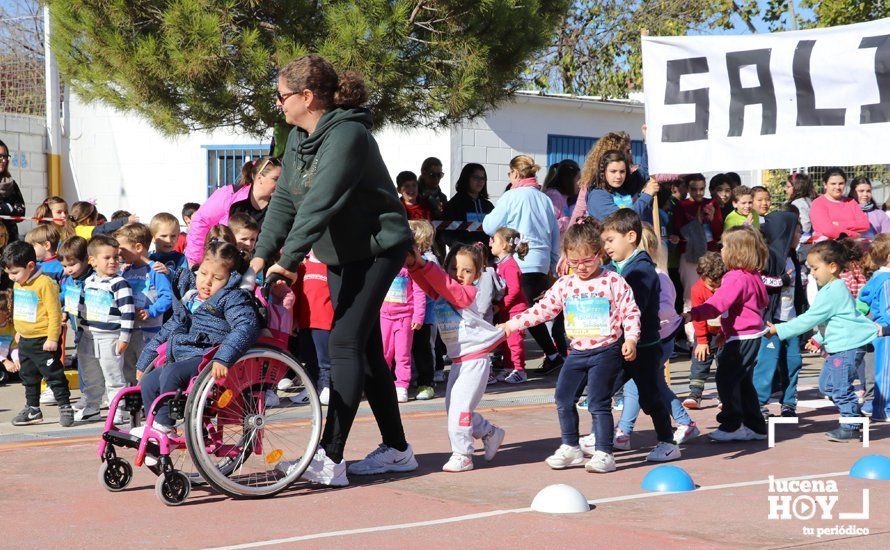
(481, 515)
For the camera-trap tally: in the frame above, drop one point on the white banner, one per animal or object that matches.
(802, 98)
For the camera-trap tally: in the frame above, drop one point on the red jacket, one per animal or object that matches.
(181, 243)
(686, 211)
(417, 211)
(700, 294)
(313, 308)
(514, 300)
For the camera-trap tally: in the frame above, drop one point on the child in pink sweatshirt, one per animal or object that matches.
(599, 310)
(739, 302)
(505, 243)
(401, 314)
(468, 338)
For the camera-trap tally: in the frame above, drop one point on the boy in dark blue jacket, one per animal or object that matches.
(621, 236)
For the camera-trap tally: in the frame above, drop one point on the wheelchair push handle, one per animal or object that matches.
(270, 282)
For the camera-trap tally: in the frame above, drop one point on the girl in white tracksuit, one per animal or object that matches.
(466, 296)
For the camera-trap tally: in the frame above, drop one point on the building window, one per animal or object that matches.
(224, 162)
(577, 147)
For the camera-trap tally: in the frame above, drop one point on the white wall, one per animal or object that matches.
(26, 138)
(406, 148)
(124, 163)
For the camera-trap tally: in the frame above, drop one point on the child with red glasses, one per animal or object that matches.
(603, 322)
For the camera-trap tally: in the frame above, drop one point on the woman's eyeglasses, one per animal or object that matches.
(283, 97)
(4, 157)
(435, 174)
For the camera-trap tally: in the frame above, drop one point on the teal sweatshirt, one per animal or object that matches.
(334, 196)
(844, 327)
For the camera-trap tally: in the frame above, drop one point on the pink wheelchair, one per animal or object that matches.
(234, 435)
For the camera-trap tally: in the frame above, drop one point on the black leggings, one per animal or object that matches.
(356, 346)
(422, 353)
(533, 285)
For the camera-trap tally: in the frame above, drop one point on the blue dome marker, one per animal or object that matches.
(872, 467)
(668, 479)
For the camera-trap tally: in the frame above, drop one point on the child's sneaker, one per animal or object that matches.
(844, 434)
(663, 452)
(325, 396)
(439, 376)
(789, 411)
(622, 441)
(285, 384)
(28, 416)
(401, 395)
(552, 365)
(301, 398)
(492, 379)
(47, 397)
(601, 462)
(500, 374)
(587, 444)
(458, 463)
(384, 459)
(741, 434)
(516, 377)
(86, 413)
(618, 405)
(693, 400)
(66, 416)
(583, 404)
(80, 404)
(492, 442)
(685, 432)
(272, 400)
(565, 457)
(425, 393)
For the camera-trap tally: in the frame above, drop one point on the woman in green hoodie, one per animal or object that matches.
(335, 197)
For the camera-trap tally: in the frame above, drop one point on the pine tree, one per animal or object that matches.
(193, 64)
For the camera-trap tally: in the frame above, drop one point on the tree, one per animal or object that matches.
(598, 50)
(824, 13)
(191, 64)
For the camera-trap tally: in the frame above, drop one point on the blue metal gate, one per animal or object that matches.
(577, 147)
(224, 162)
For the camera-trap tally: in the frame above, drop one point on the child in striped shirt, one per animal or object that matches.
(106, 327)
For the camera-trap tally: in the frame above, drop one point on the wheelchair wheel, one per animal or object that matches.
(115, 474)
(173, 488)
(248, 438)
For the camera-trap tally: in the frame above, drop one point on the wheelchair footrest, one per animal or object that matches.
(121, 439)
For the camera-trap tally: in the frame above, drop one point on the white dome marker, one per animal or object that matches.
(560, 499)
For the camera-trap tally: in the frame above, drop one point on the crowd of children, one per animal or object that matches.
(729, 275)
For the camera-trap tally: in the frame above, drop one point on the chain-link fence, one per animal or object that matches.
(22, 89)
(878, 174)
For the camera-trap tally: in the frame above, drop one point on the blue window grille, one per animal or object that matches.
(224, 162)
(577, 147)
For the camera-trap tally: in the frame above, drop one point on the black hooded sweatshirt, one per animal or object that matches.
(778, 230)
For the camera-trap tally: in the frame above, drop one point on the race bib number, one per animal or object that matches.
(5, 345)
(25, 308)
(98, 304)
(448, 322)
(623, 201)
(398, 291)
(71, 297)
(587, 317)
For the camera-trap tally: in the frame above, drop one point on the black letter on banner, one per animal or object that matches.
(763, 94)
(807, 113)
(880, 111)
(687, 131)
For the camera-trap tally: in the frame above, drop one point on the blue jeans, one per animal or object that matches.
(169, 378)
(881, 403)
(836, 380)
(315, 354)
(600, 368)
(632, 396)
(784, 357)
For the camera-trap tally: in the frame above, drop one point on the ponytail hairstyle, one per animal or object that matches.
(608, 158)
(582, 236)
(831, 252)
(220, 233)
(254, 168)
(853, 251)
(226, 253)
(84, 213)
(316, 74)
(877, 255)
(472, 251)
(515, 244)
(651, 244)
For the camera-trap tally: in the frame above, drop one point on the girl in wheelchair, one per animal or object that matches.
(216, 312)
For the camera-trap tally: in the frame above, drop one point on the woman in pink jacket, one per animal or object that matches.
(250, 195)
(833, 213)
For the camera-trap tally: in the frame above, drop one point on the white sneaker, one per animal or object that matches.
(516, 377)
(492, 442)
(621, 442)
(121, 417)
(565, 457)
(80, 404)
(741, 434)
(601, 462)
(272, 399)
(588, 444)
(301, 398)
(752, 435)
(458, 463)
(663, 452)
(401, 395)
(384, 459)
(285, 384)
(47, 397)
(322, 470)
(86, 413)
(325, 396)
(439, 376)
(685, 432)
